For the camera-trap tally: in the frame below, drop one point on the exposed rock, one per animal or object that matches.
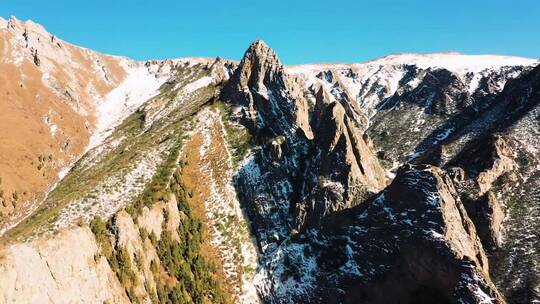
(273, 102)
(487, 215)
(362, 165)
(270, 105)
(65, 269)
(456, 173)
(414, 239)
(348, 170)
(311, 168)
(502, 163)
(37, 61)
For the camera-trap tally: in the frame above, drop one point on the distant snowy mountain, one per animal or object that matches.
(370, 82)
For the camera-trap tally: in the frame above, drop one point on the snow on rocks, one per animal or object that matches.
(372, 82)
(275, 281)
(197, 84)
(455, 62)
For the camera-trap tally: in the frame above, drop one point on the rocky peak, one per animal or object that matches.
(259, 66)
(272, 101)
(326, 164)
(348, 170)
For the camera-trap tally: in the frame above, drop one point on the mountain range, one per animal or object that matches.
(407, 179)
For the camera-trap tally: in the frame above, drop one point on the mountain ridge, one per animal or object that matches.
(323, 185)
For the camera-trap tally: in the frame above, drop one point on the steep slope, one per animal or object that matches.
(285, 188)
(61, 98)
(485, 134)
(150, 237)
(414, 239)
(497, 154)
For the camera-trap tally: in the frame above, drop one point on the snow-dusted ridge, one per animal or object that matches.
(142, 83)
(455, 62)
(370, 82)
(452, 61)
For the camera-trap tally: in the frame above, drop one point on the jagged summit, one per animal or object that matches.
(260, 48)
(271, 100)
(259, 64)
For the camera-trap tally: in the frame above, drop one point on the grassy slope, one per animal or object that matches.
(166, 132)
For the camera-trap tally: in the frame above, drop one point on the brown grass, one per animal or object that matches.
(196, 184)
(24, 136)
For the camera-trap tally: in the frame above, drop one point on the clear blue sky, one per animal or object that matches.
(300, 31)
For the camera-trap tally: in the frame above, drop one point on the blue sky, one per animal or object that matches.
(299, 31)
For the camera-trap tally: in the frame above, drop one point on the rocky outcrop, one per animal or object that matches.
(269, 104)
(312, 164)
(487, 215)
(414, 239)
(272, 101)
(347, 169)
(340, 132)
(501, 157)
(485, 163)
(54, 271)
(443, 256)
(65, 269)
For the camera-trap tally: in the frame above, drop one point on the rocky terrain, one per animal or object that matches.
(407, 179)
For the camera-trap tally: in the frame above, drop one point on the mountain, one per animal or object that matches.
(63, 99)
(407, 179)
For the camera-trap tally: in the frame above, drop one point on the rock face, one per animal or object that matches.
(310, 168)
(487, 215)
(499, 153)
(348, 170)
(272, 102)
(264, 100)
(414, 238)
(56, 271)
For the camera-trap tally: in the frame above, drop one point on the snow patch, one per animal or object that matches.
(139, 86)
(197, 84)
